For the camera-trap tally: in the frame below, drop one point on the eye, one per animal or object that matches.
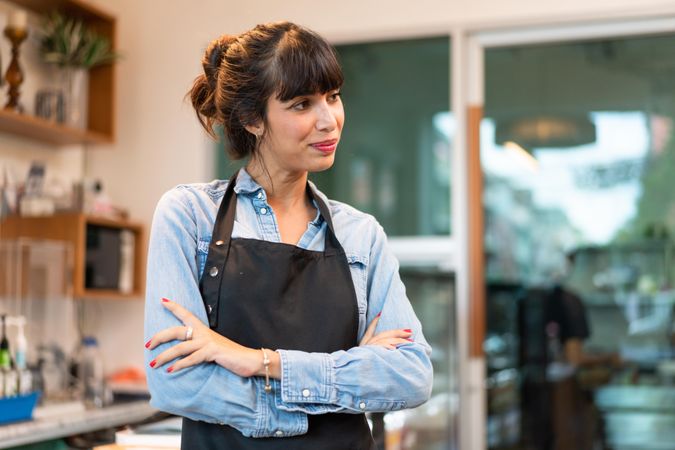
(301, 105)
(335, 96)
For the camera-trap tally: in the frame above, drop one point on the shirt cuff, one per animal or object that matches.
(271, 421)
(306, 408)
(307, 377)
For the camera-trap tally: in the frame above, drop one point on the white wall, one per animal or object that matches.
(159, 142)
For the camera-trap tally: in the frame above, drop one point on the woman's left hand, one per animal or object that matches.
(389, 339)
(205, 346)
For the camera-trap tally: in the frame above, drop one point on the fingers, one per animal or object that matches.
(182, 349)
(370, 330)
(167, 335)
(390, 343)
(193, 359)
(178, 332)
(400, 333)
(192, 350)
(181, 313)
(389, 334)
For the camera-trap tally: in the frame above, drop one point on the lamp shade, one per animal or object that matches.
(554, 131)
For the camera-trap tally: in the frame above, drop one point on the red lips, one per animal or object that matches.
(325, 143)
(326, 147)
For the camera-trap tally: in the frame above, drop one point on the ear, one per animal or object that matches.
(256, 129)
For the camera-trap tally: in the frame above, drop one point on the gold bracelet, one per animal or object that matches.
(266, 364)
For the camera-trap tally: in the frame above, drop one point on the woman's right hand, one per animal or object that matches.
(389, 339)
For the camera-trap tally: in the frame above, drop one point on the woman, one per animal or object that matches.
(260, 289)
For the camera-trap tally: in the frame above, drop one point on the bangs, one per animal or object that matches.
(305, 65)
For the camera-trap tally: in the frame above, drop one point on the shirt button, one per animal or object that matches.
(213, 271)
(305, 393)
(260, 194)
(219, 243)
(362, 405)
(278, 433)
(263, 211)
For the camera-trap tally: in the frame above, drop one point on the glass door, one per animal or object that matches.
(577, 151)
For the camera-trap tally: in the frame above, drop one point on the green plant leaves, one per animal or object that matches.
(65, 41)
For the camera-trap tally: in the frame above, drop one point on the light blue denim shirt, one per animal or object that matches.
(366, 378)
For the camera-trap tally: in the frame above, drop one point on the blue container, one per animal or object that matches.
(15, 409)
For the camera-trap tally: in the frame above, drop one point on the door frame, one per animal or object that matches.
(468, 89)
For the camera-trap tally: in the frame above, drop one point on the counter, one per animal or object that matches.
(76, 422)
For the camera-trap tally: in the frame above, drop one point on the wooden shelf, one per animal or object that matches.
(51, 132)
(80, 8)
(72, 228)
(101, 90)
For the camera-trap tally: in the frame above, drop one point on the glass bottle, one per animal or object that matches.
(90, 373)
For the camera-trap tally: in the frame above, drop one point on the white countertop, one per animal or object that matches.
(73, 422)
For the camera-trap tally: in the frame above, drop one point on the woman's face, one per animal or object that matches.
(302, 134)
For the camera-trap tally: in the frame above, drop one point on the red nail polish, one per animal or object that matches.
(164, 300)
(408, 339)
(147, 344)
(170, 369)
(153, 363)
(378, 314)
(408, 330)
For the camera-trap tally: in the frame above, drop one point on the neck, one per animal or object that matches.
(285, 190)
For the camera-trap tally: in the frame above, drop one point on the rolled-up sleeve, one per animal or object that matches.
(206, 392)
(366, 378)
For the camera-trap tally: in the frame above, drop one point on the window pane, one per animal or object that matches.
(394, 157)
(578, 156)
(432, 426)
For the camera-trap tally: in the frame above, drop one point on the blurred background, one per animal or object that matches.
(520, 157)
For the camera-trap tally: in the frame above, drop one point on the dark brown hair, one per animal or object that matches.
(242, 72)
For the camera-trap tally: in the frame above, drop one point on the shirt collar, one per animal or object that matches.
(247, 185)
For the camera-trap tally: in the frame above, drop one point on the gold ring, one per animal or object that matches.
(188, 333)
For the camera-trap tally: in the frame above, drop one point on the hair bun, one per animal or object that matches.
(213, 57)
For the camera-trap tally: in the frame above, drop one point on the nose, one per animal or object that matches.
(326, 119)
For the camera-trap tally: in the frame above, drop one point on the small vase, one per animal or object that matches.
(75, 83)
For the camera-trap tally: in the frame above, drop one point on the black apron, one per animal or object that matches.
(276, 295)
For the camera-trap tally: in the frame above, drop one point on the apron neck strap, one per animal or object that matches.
(226, 216)
(226, 213)
(331, 245)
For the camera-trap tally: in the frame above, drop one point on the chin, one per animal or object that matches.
(323, 164)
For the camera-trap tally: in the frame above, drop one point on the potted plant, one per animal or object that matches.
(69, 45)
